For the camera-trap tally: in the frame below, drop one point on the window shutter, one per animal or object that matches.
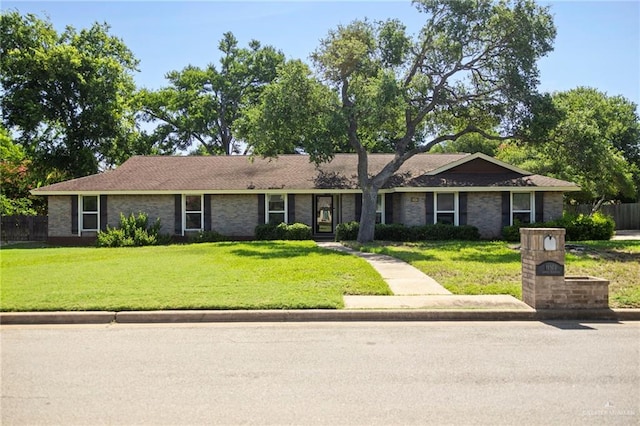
(291, 208)
(539, 206)
(261, 201)
(358, 207)
(207, 212)
(462, 205)
(74, 214)
(506, 208)
(178, 214)
(428, 208)
(388, 208)
(103, 213)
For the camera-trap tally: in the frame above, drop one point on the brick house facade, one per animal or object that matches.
(232, 195)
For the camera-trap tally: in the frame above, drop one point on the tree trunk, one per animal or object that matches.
(596, 206)
(368, 215)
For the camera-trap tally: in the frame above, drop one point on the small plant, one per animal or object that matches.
(347, 231)
(283, 231)
(132, 231)
(397, 232)
(579, 227)
(208, 237)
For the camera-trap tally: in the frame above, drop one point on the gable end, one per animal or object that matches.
(478, 166)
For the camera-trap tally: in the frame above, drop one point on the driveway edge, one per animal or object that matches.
(313, 315)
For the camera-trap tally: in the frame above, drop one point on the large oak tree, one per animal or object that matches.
(473, 64)
(199, 107)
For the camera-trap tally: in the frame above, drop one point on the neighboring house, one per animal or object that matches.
(233, 194)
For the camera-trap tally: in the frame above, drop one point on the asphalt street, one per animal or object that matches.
(406, 373)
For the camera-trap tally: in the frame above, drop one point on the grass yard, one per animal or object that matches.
(255, 275)
(494, 267)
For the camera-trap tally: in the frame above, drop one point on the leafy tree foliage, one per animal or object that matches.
(67, 97)
(472, 64)
(471, 143)
(596, 144)
(16, 180)
(200, 106)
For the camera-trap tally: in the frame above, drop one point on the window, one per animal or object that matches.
(521, 207)
(276, 208)
(89, 214)
(193, 212)
(446, 208)
(380, 209)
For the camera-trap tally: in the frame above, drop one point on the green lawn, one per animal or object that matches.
(256, 275)
(494, 267)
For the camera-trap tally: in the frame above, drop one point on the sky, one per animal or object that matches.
(597, 45)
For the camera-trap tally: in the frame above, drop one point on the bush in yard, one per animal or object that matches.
(297, 231)
(283, 231)
(132, 231)
(583, 227)
(347, 231)
(392, 232)
(208, 237)
(402, 233)
(579, 227)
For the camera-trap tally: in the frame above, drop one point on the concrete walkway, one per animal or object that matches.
(402, 278)
(413, 289)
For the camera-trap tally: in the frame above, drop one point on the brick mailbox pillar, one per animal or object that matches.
(544, 285)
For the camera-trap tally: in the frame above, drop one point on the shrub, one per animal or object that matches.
(347, 231)
(579, 227)
(402, 233)
(582, 227)
(208, 237)
(297, 231)
(132, 231)
(392, 232)
(283, 231)
(442, 232)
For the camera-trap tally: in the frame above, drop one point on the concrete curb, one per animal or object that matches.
(312, 315)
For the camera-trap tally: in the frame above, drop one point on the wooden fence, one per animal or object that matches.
(626, 216)
(24, 228)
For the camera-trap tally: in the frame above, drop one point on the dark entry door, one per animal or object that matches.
(324, 214)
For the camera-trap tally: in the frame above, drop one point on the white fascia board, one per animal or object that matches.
(204, 191)
(490, 189)
(478, 155)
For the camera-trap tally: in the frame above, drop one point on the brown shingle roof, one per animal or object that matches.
(288, 172)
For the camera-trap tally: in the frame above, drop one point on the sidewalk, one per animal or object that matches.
(413, 289)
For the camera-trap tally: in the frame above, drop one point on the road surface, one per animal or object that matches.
(322, 373)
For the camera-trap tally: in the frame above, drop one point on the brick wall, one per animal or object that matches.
(348, 208)
(484, 211)
(234, 215)
(412, 209)
(304, 209)
(155, 206)
(59, 216)
(553, 205)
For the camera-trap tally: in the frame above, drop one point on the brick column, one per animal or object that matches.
(542, 267)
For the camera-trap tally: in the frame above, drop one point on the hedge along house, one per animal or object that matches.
(233, 194)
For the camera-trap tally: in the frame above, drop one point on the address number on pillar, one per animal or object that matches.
(550, 269)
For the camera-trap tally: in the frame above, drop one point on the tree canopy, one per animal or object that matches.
(596, 144)
(199, 107)
(66, 96)
(473, 64)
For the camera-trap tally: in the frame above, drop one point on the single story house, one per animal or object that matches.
(233, 194)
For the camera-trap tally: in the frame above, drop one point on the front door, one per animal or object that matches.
(324, 214)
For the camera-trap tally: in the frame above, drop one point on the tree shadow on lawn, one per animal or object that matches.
(25, 245)
(489, 257)
(272, 250)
